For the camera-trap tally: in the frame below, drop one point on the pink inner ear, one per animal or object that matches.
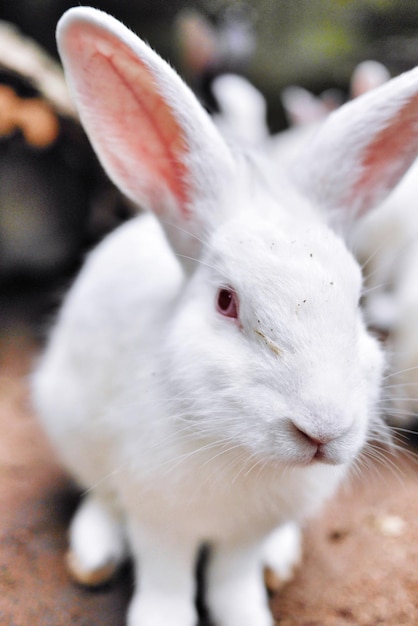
(133, 128)
(389, 155)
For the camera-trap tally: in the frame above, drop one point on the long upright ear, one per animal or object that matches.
(362, 150)
(153, 138)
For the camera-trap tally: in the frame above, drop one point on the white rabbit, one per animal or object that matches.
(210, 377)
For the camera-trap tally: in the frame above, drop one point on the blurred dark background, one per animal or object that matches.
(55, 202)
(312, 43)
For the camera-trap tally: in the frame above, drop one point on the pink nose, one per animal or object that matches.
(317, 443)
(317, 440)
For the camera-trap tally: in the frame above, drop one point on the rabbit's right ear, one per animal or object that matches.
(152, 136)
(362, 150)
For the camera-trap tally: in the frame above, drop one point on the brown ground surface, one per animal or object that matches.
(361, 555)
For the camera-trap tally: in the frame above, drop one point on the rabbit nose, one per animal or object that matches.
(314, 439)
(317, 443)
(332, 445)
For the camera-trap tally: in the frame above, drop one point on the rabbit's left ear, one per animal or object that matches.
(152, 136)
(362, 150)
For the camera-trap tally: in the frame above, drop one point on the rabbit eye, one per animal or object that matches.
(227, 303)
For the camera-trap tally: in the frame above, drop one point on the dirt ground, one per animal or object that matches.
(361, 555)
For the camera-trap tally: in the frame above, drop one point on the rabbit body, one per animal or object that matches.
(210, 377)
(174, 420)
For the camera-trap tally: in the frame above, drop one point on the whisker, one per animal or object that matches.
(184, 231)
(403, 431)
(383, 244)
(405, 398)
(102, 481)
(375, 454)
(190, 258)
(366, 290)
(397, 385)
(398, 372)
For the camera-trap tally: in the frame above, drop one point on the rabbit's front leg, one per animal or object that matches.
(165, 579)
(236, 593)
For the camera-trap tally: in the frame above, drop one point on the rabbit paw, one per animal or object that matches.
(97, 544)
(89, 575)
(282, 554)
(246, 615)
(148, 609)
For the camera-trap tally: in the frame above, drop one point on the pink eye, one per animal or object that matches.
(227, 303)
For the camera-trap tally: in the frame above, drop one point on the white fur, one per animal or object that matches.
(191, 426)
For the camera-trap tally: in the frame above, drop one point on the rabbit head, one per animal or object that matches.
(265, 346)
